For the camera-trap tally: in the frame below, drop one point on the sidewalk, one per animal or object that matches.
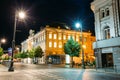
(16, 75)
(3, 68)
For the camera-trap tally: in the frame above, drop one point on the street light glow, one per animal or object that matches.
(77, 25)
(3, 40)
(21, 14)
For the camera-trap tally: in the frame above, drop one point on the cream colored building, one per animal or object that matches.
(107, 30)
(52, 41)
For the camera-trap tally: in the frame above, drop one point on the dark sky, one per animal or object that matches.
(41, 13)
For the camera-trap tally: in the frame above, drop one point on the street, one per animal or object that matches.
(53, 72)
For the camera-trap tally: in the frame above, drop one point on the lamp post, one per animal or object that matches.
(20, 15)
(78, 25)
(2, 41)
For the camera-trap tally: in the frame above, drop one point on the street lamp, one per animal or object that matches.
(21, 15)
(78, 25)
(3, 40)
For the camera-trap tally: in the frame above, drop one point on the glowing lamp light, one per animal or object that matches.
(21, 14)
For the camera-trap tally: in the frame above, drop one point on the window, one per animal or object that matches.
(50, 35)
(64, 37)
(73, 37)
(60, 36)
(107, 12)
(50, 44)
(60, 44)
(77, 38)
(55, 36)
(107, 32)
(68, 36)
(103, 14)
(55, 44)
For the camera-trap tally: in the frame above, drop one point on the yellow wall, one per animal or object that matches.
(87, 41)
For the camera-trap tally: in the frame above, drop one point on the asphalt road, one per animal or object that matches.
(53, 72)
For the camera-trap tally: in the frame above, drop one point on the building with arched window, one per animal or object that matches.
(107, 30)
(52, 41)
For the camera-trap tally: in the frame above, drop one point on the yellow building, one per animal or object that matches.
(52, 41)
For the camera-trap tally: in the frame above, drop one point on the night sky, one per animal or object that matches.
(41, 13)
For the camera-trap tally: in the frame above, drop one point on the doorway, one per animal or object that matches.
(107, 60)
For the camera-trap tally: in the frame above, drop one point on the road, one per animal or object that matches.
(52, 72)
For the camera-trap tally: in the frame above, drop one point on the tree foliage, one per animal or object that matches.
(1, 51)
(38, 52)
(72, 48)
(24, 54)
(31, 53)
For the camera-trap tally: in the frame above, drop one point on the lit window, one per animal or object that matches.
(60, 36)
(77, 38)
(60, 44)
(55, 44)
(73, 37)
(55, 36)
(107, 32)
(50, 35)
(69, 37)
(50, 44)
(64, 37)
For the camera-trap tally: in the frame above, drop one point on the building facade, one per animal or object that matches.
(52, 41)
(107, 31)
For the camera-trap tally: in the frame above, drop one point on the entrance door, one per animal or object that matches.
(107, 60)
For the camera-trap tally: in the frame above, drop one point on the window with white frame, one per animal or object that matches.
(64, 37)
(107, 32)
(77, 38)
(50, 35)
(107, 12)
(60, 36)
(55, 36)
(50, 44)
(55, 44)
(68, 37)
(102, 14)
(60, 44)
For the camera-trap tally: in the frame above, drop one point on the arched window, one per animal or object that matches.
(107, 32)
(102, 14)
(107, 12)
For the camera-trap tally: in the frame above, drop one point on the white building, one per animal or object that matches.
(107, 31)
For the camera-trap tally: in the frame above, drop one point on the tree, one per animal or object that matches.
(31, 53)
(24, 54)
(1, 51)
(38, 53)
(72, 48)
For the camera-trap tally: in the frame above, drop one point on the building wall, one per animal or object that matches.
(107, 31)
(52, 45)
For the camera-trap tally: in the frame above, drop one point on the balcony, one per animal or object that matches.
(107, 43)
